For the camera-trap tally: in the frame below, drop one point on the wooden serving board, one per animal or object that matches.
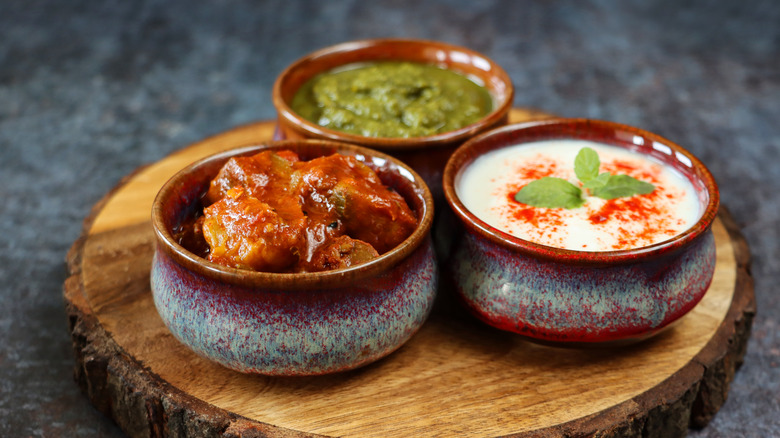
(456, 377)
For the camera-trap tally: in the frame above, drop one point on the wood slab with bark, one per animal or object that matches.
(456, 377)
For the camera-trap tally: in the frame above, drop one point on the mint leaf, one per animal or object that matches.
(550, 192)
(586, 164)
(598, 182)
(621, 186)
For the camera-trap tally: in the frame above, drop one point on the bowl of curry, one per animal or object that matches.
(294, 257)
(414, 99)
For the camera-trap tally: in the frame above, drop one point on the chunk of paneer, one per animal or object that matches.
(369, 211)
(341, 252)
(245, 232)
(320, 230)
(374, 214)
(265, 175)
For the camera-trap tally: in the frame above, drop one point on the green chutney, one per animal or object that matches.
(392, 99)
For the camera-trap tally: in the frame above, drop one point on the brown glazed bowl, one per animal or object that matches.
(427, 155)
(292, 324)
(572, 297)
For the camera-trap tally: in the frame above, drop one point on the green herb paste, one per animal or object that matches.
(392, 99)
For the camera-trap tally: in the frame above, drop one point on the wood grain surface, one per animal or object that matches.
(456, 377)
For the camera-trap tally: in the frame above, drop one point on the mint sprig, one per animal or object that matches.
(586, 164)
(551, 192)
(621, 186)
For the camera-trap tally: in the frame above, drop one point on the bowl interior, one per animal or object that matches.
(472, 64)
(181, 197)
(630, 138)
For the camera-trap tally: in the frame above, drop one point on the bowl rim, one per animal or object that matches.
(295, 281)
(502, 103)
(462, 157)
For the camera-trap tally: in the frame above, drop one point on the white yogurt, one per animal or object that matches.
(488, 185)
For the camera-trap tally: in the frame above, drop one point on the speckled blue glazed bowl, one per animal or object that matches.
(293, 324)
(568, 297)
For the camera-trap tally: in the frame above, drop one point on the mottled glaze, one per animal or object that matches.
(305, 332)
(427, 155)
(579, 297)
(293, 324)
(577, 303)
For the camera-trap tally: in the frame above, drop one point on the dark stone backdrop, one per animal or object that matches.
(91, 90)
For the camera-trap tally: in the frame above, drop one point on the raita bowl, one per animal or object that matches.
(292, 324)
(426, 154)
(573, 297)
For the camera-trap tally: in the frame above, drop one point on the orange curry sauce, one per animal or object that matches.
(273, 212)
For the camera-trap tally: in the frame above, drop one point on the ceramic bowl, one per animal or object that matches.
(574, 297)
(292, 324)
(426, 154)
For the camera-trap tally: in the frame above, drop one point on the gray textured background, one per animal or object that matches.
(89, 91)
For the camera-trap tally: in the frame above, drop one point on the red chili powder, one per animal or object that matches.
(529, 171)
(645, 212)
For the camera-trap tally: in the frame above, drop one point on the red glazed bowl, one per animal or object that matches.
(427, 155)
(292, 324)
(571, 297)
